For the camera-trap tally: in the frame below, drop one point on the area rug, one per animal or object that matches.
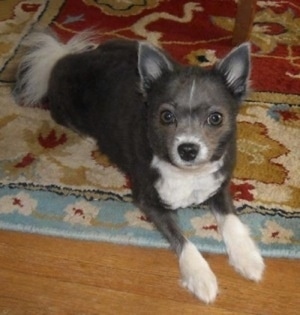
(54, 182)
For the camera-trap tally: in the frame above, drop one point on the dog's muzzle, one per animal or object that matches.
(188, 151)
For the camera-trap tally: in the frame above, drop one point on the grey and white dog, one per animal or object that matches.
(171, 128)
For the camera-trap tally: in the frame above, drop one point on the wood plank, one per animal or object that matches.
(45, 275)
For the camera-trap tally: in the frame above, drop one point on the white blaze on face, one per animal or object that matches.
(192, 92)
(188, 135)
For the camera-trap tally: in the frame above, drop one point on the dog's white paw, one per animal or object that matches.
(197, 275)
(249, 263)
(244, 256)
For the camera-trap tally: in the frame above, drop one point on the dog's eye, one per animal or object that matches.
(215, 119)
(167, 117)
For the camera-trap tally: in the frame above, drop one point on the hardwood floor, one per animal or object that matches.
(45, 275)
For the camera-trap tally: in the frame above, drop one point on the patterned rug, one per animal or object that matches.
(54, 182)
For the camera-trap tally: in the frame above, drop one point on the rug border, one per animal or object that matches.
(121, 240)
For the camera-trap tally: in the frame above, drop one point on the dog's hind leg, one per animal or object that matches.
(243, 254)
(197, 276)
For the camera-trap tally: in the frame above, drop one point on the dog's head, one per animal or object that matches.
(192, 111)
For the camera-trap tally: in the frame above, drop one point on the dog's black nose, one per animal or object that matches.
(188, 151)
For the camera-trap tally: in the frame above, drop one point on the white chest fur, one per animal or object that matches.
(180, 188)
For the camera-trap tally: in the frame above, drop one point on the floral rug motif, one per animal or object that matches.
(52, 181)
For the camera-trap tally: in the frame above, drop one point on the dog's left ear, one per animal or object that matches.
(235, 69)
(152, 64)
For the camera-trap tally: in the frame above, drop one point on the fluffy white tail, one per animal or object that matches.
(36, 66)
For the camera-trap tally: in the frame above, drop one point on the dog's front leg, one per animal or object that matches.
(244, 255)
(196, 273)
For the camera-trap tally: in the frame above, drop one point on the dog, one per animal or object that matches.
(170, 127)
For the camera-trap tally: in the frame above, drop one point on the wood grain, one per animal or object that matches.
(244, 21)
(47, 275)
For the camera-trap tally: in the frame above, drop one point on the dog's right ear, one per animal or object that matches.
(152, 63)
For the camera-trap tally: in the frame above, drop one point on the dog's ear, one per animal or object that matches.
(152, 64)
(235, 69)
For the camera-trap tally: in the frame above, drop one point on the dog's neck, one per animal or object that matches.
(179, 188)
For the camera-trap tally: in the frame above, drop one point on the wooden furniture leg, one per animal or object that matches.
(244, 21)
